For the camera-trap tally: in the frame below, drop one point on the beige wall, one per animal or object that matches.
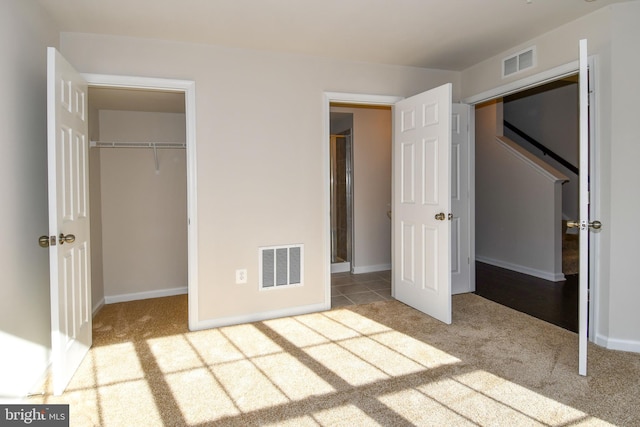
(510, 192)
(260, 145)
(143, 212)
(371, 187)
(25, 322)
(551, 117)
(555, 48)
(624, 289)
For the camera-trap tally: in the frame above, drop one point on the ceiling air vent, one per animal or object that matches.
(519, 62)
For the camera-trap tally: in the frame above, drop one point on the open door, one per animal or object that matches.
(584, 224)
(69, 256)
(460, 200)
(422, 202)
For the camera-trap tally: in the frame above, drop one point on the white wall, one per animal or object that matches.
(143, 213)
(25, 322)
(371, 187)
(613, 37)
(260, 146)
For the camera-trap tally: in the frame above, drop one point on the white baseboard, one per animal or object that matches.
(340, 267)
(546, 275)
(616, 344)
(371, 268)
(145, 295)
(97, 307)
(257, 317)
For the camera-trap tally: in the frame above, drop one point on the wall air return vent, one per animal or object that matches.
(281, 266)
(518, 62)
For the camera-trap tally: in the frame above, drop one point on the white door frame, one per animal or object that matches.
(188, 87)
(547, 76)
(346, 98)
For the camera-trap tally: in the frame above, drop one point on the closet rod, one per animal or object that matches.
(154, 145)
(340, 136)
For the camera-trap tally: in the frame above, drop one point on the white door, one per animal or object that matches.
(460, 203)
(583, 304)
(69, 256)
(421, 202)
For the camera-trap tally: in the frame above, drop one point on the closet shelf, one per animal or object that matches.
(153, 145)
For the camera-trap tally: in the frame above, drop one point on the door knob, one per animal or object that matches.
(440, 216)
(69, 238)
(43, 241)
(596, 225)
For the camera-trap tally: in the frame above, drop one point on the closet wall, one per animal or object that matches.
(141, 211)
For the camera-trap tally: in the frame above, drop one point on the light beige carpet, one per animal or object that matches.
(375, 364)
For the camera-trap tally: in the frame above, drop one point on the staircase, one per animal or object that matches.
(570, 251)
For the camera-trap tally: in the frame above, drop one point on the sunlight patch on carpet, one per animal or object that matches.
(428, 356)
(138, 395)
(128, 367)
(431, 412)
(249, 388)
(349, 367)
(391, 362)
(345, 415)
(174, 353)
(509, 395)
(188, 388)
(296, 332)
(250, 341)
(327, 327)
(213, 347)
(292, 377)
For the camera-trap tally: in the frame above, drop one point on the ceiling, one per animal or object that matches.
(441, 34)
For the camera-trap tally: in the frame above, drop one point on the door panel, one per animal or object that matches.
(69, 259)
(421, 202)
(460, 203)
(583, 307)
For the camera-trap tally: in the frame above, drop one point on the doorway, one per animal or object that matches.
(138, 186)
(187, 90)
(359, 182)
(542, 120)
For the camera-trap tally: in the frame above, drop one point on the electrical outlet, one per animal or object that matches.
(241, 276)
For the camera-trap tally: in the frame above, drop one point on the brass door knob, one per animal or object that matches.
(43, 241)
(440, 216)
(596, 225)
(69, 238)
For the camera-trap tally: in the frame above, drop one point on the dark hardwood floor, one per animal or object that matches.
(554, 302)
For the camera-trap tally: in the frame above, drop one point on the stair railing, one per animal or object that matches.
(545, 150)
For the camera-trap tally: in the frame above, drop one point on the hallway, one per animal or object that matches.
(553, 302)
(353, 289)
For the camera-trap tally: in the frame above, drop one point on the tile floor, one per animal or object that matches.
(351, 289)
